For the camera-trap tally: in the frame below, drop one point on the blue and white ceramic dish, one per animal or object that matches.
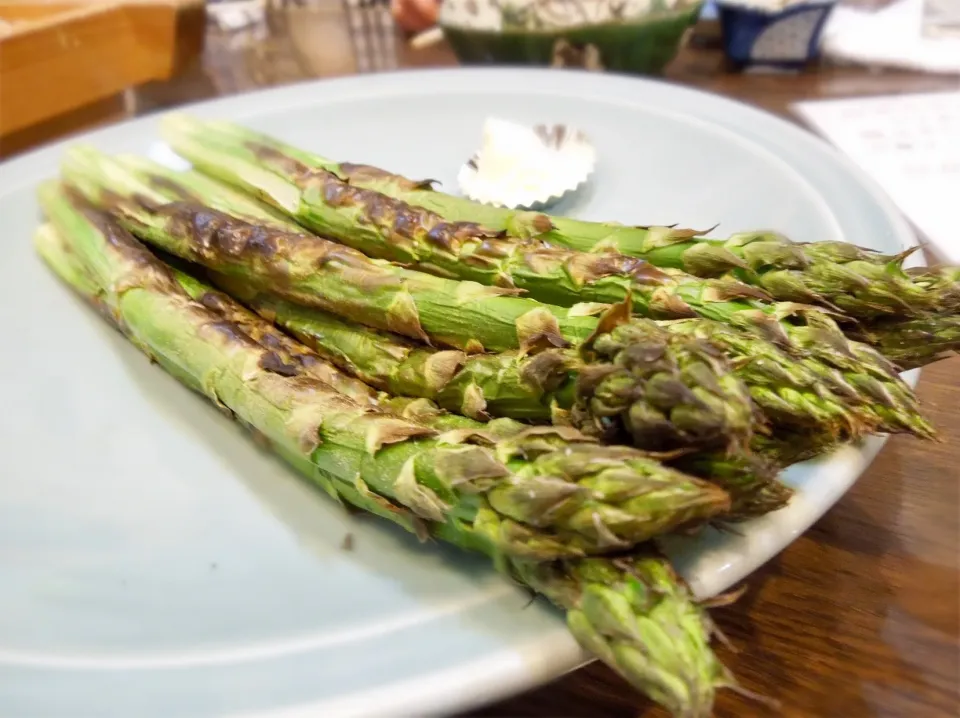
(779, 34)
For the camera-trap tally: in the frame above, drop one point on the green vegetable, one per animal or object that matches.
(400, 368)
(622, 378)
(860, 282)
(912, 343)
(632, 611)
(541, 494)
(864, 392)
(461, 383)
(636, 617)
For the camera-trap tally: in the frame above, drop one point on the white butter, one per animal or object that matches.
(526, 167)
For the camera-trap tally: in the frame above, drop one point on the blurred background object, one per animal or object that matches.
(67, 65)
(638, 36)
(236, 14)
(773, 33)
(374, 33)
(913, 34)
(910, 145)
(155, 54)
(415, 15)
(941, 18)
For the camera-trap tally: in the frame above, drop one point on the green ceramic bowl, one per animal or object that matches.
(642, 44)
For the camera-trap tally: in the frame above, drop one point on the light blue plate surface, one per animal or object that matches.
(154, 563)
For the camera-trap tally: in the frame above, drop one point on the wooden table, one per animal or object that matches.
(861, 615)
(66, 65)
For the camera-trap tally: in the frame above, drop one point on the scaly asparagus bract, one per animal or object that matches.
(855, 374)
(860, 282)
(942, 280)
(634, 615)
(632, 612)
(912, 343)
(630, 378)
(537, 494)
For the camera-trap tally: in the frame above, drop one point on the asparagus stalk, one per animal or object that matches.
(635, 616)
(631, 612)
(471, 252)
(459, 383)
(860, 282)
(626, 379)
(912, 343)
(854, 373)
(475, 385)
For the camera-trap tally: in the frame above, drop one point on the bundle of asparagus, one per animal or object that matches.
(618, 379)
(798, 392)
(436, 475)
(861, 283)
(346, 363)
(381, 226)
(402, 368)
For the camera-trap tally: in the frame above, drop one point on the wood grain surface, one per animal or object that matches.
(861, 615)
(65, 65)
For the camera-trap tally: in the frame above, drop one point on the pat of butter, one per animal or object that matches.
(526, 167)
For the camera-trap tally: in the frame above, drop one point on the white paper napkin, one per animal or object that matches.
(892, 37)
(910, 145)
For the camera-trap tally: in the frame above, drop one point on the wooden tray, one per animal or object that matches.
(64, 64)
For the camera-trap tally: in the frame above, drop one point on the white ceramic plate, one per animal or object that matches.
(154, 563)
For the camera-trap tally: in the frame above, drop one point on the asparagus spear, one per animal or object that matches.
(860, 282)
(635, 616)
(854, 372)
(470, 252)
(460, 382)
(626, 378)
(632, 612)
(912, 343)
